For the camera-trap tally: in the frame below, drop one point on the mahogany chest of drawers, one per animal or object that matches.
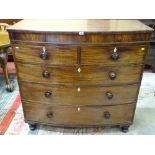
(79, 73)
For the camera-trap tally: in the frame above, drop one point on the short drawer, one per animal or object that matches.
(60, 95)
(78, 116)
(46, 54)
(86, 75)
(113, 55)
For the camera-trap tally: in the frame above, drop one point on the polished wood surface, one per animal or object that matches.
(60, 95)
(103, 55)
(79, 72)
(55, 55)
(56, 38)
(69, 55)
(78, 116)
(89, 75)
(80, 25)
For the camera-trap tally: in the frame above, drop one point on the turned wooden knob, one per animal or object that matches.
(109, 95)
(49, 115)
(47, 94)
(107, 115)
(112, 75)
(46, 74)
(44, 54)
(115, 55)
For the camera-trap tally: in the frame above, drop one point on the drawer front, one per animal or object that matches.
(85, 75)
(113, 55)
(76, 37)
(78, 116)
(46, 54)
(78, 95)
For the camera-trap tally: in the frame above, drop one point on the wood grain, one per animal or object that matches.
(102, 55)
(61, 95)
(56, 54)
(89, 54)
(75, 38)
(92, 115)
(89, 75)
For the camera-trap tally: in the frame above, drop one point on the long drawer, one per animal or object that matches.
(78, 116)
(85, 75)
(61, 95)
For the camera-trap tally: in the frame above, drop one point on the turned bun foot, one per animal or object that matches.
(125, 128)
(32, 126)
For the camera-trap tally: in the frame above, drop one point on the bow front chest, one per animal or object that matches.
(79, 73)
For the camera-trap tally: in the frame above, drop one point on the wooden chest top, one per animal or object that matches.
(90, 25)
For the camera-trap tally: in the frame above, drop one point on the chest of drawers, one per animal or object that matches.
(79, 73)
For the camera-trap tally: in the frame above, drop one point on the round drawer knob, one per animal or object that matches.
(46, 74)
(49, 114)
(109, 95)
(44, 54)
(107, 115)
(115, 55)
(112, 75)
(47, 94)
